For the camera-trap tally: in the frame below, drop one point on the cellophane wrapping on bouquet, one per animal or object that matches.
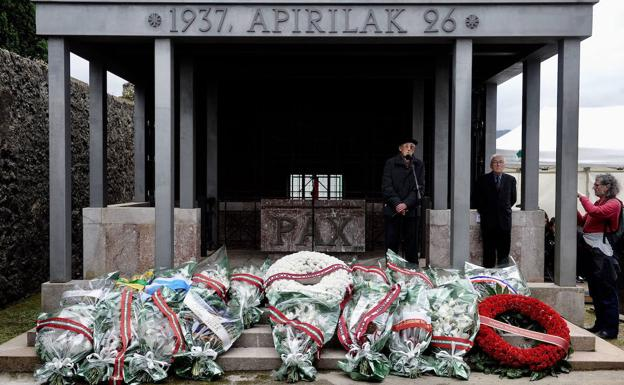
(209, 329)
(305, 291)
(492, 281)
(115, 336)
(160, 337)
(399, 270)
(212, 274)
(455, 322)
(63, 340)
(247, 292)
(440, 276)
(173, 284)
(301, 327)
(411, 332)
(66, 337)
(366, 323)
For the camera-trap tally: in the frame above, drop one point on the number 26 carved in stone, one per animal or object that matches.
(432, 16)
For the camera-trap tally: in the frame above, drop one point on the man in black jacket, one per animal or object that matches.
(403, 188)
(496, 194)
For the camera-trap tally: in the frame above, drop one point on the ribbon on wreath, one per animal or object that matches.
(66, 324)
(310, 330)
(410, 272)
(125, 330)
(213, 284)
(161, 304)
(371, 270)
(315, 274)
(251, 279)
(547, 338)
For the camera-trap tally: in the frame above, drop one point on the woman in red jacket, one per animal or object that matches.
(596, 253)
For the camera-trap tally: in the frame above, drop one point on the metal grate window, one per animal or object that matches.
(317, 186)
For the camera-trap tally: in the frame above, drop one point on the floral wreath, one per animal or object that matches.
(543, 356)
(311, 272)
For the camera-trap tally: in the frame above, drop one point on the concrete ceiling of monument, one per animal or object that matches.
(133, 59)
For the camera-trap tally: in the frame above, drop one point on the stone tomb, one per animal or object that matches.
(327, 226)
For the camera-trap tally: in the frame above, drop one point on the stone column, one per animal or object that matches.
(418, 115)
(530, 133)
(441, 135)
(491, 90)
(60, 160)
(567, 161)
(97, 133)
(460, 152)
(187, 135)
(212, 154)
(140, 191)
(164, 155)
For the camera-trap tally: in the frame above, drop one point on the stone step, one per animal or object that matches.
(15, 356)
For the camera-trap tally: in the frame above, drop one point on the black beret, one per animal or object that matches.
(409, 140)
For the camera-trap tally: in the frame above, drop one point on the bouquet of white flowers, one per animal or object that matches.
(405, 273)
(492, 281)
(247, 293)
(366, 322)
(212, 274)
(411, 332)
(209, 330)
(304, 291)
(440, 276)
(63, 339)
(455, 322)
(115, 327)
(160, 337)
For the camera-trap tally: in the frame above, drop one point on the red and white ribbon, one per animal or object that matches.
(371, 270)
(125, 329)
(451, 343)
(312, 331)
(213, 284)
(320, 273)
(381, 307)
(171, 316)
(410, 272)
(251, 279)
(548, 338)
(66, 324)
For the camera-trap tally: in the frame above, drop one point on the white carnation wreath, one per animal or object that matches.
(312, 273)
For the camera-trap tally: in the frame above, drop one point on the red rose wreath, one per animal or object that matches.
(540, 357)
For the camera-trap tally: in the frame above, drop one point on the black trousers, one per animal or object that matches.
(601, 272)
(496, 245)
(400, 229)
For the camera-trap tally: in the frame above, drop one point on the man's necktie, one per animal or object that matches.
(497, 178)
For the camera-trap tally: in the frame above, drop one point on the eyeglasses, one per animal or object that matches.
(498, 162)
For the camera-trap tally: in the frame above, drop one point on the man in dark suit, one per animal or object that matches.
(403, 187)
(496, 194)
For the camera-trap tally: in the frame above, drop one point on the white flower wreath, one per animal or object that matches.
(314, 274)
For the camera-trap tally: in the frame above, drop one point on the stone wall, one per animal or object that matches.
(527, 241)
(24, 254)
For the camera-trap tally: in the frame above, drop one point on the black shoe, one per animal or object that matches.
(605, 336)
(593, 329)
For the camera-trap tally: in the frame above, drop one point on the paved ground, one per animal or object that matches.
(338, 378)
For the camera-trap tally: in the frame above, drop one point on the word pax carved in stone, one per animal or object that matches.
(330, 235)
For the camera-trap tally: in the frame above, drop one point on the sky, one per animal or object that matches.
(601, 82)
(602, 70)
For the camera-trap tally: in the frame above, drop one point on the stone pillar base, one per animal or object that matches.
(121, 238)
(527, 241)
(569, 301)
